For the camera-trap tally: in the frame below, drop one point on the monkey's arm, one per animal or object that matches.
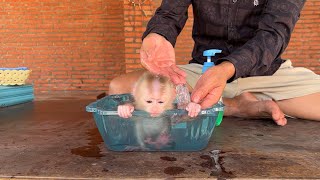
(125, 110)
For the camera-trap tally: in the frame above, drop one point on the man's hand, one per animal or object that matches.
(157, 55)
(210, 86)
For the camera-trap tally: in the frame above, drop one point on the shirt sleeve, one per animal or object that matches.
(169, 19)
(271, 38)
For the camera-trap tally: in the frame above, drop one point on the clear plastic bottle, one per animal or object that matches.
(183, 96)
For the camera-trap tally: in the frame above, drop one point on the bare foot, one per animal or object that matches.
(247, 105)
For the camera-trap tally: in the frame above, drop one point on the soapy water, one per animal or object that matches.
(120, 135)
(184, 133)
(215, 157)
(183, 96)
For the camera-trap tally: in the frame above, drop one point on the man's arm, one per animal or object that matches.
(157, 53)
(271, 39)
(169, 19)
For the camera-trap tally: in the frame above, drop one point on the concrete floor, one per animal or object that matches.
(56, 138)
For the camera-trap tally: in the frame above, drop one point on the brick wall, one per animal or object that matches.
(73, 45)
(79, 46)
(135, 22)
(304, 47)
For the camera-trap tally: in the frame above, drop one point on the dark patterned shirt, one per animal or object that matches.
(252, 34)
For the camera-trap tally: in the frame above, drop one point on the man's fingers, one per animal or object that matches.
(143, 55)
(180, 75)
(198, 94)
(175, 77)
(211, 99)
(168, 72)
(178, 71)
(147, 58)
(144, 58)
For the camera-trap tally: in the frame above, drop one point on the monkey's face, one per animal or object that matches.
(154, 95)
(155, 104)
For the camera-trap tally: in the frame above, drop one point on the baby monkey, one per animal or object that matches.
(154, 94)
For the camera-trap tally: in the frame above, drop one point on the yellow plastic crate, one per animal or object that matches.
(13, 77)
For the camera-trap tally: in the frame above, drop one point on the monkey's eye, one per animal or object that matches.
(149, 102)
(160, 102)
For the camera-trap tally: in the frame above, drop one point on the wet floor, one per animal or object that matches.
(58, 139)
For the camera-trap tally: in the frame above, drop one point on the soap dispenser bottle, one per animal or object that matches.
(210, 53)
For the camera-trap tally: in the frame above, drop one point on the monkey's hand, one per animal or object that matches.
(125, 111)
(193, 109)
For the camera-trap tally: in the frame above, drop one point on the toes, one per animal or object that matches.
(276, 113)
(281, 121)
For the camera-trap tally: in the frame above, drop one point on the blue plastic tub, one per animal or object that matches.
(13, 95)
(185, 134)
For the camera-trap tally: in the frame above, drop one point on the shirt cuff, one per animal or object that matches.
(240, 68)
(164, 31)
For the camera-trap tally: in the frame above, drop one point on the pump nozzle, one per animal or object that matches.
(209, 53)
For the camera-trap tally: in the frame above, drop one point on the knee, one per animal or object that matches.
(123, 84)
(115, 86)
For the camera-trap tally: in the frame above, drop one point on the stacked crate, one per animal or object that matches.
(13, 89)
